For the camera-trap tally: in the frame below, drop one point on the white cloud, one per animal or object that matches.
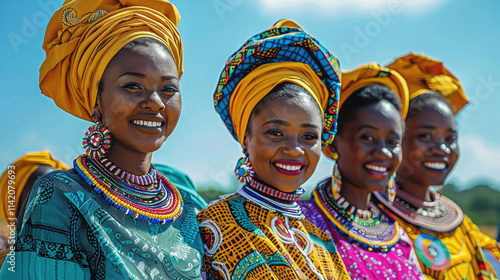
(478, 160)
(335, 7)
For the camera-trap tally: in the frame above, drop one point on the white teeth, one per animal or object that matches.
(376, 168)
(288, 167)
(146, 123)
(435, 165)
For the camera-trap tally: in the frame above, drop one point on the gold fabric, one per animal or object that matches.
(258, 83)
(15, 177)
(83, 36)
(424, 74)
(245, 241)
(464, 244)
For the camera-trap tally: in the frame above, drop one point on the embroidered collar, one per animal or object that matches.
(272, 200)
(440, 215)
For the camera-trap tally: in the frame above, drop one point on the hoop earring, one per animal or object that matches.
(97, 139)
(391, 189)
(244, 169)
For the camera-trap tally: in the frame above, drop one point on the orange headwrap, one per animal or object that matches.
(17, 175)
(371, 74)
(83, 36)
(424, 74)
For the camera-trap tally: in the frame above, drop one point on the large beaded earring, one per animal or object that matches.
(244, 169)
(391, 189)
(97, 139)
(336, 180)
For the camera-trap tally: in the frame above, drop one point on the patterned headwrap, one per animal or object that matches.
(16, 176)
(84, 35)
(424, 74)
(371, 74)
(283, 53)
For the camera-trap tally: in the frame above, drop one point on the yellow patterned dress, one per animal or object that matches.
(448, 244)
(246, 238)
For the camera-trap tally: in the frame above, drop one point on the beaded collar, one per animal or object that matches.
(275, 193)
(440, 215)
(159, 202)
(144, 180)
(271, 202)
(378, 232)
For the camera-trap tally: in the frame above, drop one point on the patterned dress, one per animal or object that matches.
(397, 261)
(243, 240)
(70, 232)
(448, 244)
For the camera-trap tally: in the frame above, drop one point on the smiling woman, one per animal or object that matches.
(114, 216)
(283, 137)
(139, 100)
(448, 244)
(278, 96)
(367, 152)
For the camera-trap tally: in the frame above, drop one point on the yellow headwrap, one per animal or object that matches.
(371, 74)
(424, 74)
(263, 79)
(22, 169)
(84, 35)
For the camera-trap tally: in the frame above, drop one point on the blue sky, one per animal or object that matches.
(465, 35)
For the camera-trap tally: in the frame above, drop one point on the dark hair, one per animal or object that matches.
(282, 91)
(423, 101)
(364, 97)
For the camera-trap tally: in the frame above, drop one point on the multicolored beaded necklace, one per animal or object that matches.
(274, 193)
(157, 202)
(373, 232)
(260, 198)
(440, 215)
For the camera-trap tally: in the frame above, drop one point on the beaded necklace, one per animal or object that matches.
(144, 180)
(288, 208)
(272, 192)
(439, 215)
(373, 232)
(159, 202)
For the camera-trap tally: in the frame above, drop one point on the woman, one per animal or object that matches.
(448, 244)
(274, 95)
(16, 184)
(367, 153)
(113, 216)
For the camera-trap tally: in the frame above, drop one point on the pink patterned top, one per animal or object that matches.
(400, 262)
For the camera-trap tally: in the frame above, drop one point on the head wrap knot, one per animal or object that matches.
(22, 169)
(283, 53)
(424, 74)
(83, 36)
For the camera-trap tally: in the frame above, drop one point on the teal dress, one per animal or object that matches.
(70, 232)
(182, 182)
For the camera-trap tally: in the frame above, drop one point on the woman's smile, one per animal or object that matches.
(289, 168)
(283, 142)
